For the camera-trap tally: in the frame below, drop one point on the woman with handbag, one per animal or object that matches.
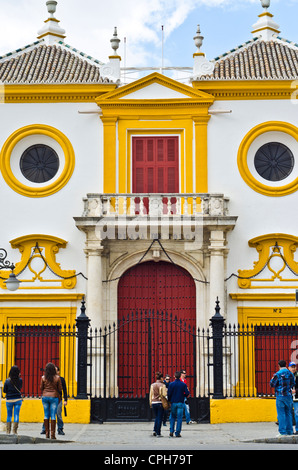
(51, 388)
(157, 394)
(12, 388)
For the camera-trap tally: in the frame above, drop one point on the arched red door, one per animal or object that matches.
(157, 322)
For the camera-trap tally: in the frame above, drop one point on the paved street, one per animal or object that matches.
(113, 437)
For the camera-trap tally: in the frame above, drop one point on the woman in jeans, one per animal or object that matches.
(51, 388)
(156, 389)
(12, 389)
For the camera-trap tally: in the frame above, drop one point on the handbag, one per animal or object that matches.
(164, 401)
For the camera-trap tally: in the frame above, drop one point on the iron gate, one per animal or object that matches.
(124, 358)
(107, 365)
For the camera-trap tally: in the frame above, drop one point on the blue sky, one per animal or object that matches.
(89, 26)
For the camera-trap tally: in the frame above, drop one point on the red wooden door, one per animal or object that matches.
(153, 342)
(155, 166)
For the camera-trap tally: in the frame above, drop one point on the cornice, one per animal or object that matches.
(248, 89)
(173, 109)
(274, 296)
(40, 93)
(40, 297)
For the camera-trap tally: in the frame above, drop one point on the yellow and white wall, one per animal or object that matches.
(266, 211)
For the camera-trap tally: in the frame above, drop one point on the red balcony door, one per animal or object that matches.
(151, 343)
(155, 166)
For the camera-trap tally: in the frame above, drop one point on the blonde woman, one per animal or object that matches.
(157, 389)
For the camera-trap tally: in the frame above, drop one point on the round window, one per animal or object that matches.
(274, 161)
(39, 163)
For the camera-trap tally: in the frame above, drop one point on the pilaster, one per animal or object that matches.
(217, 248)
(94, 285)
(201, 153)
(109, 148)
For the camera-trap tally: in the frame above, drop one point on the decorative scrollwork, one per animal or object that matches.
(4, 263)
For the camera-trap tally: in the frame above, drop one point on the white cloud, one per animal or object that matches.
(89, 25)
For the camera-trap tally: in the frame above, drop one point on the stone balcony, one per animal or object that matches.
(173, 216)
(155, 205)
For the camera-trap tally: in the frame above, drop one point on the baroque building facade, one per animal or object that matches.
(154, 195)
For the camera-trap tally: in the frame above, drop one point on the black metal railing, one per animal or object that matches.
(120, 360)
(251, 354)
(31, 347)
(125, 356)
(222, 361)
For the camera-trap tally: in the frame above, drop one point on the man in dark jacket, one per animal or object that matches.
(63, 400)
(283, 381)
(177, 392)
(293, 369)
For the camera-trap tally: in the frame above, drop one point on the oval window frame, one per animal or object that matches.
(43, 191)
(251, 181)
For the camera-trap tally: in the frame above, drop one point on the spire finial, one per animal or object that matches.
(115, 41)
(51, 32)
(198, 38)
(265, 4)
(265, 27)
(51, 6)
(202, 66)
(112, 70)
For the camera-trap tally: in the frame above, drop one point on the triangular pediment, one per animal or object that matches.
(156, 87)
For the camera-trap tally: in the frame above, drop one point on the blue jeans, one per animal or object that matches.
(295, 403)
(176, 414)
(59, 416)
(13, 407)
(284, 407)
(158, 413)
(50, 405)
(187, 412)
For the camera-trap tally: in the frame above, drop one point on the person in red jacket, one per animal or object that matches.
(186, 405)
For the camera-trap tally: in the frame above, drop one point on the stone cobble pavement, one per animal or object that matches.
(138, 436)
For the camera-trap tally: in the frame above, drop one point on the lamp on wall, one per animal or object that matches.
(12, 283)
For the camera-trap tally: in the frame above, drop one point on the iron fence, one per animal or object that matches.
(31, 347)
(222, 361)
(125, 356)
(251, 354)
(119, 361)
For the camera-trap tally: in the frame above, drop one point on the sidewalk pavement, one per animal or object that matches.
(139, 436)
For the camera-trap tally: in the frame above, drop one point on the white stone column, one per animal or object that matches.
(94, 301)
(217, 250)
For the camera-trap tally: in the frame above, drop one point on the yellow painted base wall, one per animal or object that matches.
(242, 410)
(230, 410)
(78, 411)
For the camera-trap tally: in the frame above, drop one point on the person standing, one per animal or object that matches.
(177, 392)
(283, 382)
(156, 389)
(12, 388)
(166, 412)
(62, 402)
(186, 405)
(293, 369)
(51, 388)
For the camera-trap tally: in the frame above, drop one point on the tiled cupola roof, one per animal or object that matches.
(267, 56)
(50, 61)
(276, 59)
(39, 63)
